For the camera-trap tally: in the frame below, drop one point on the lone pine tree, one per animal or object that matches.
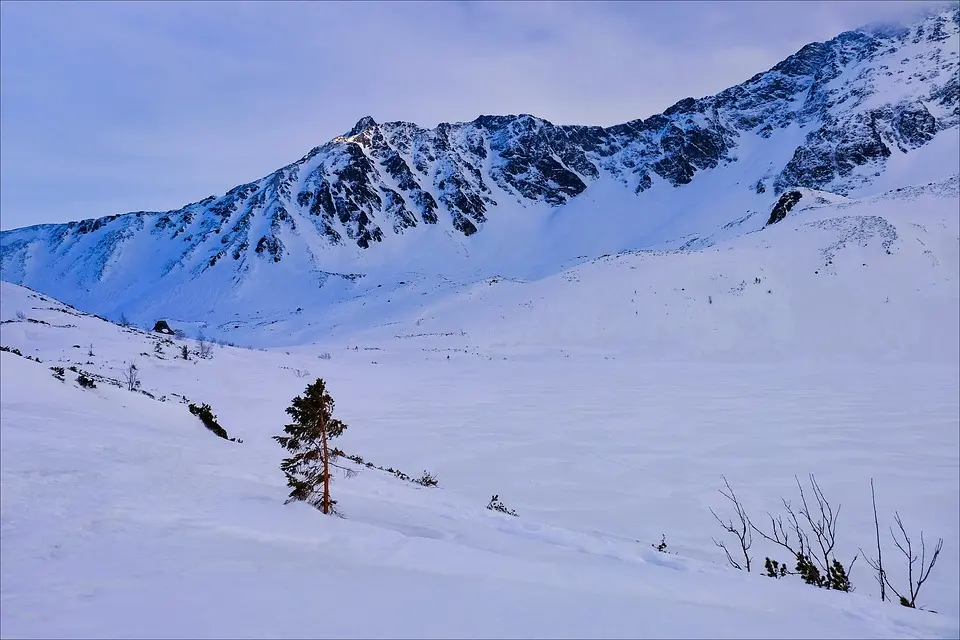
(308, 469)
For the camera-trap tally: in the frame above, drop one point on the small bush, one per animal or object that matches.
(774, 568)
(662, 545)
(398, 473)
(497, 505)
(184, 352)
(324, 356)
(131, 376)
(86, 382)
(58, 373)
(21, 316)
(204, 347)
(205, 413)
(14, 351)
(427, 479)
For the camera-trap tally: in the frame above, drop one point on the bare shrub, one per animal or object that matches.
(204, 347)
(808, 534)
(131, 376)
(904, 543)
(740, 529)
(818, 565)
(878, 563)
(906, 548)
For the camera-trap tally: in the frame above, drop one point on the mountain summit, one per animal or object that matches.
(517, 194)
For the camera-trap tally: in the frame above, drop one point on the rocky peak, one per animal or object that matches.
(362, 125)
(805, 62)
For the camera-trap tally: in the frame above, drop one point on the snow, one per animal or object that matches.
(603, 403)
(601, 366)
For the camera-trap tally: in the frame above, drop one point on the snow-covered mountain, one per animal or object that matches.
(867, 112)
(753, 287)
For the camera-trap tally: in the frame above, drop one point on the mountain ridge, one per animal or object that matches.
(830, 117)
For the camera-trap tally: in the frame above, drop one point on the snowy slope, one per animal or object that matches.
(833, 267)
(864, 113)
(854, 280)
(122, 517)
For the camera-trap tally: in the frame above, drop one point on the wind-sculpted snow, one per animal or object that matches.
(518, 194)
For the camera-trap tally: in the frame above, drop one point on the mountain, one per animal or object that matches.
(866, 112)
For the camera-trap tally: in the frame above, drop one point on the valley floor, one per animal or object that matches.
(121, 516)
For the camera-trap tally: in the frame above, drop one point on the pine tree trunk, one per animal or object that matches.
(326, 466)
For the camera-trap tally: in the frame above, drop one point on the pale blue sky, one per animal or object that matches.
(111, 107)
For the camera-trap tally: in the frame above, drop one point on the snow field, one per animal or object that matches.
(113, 502)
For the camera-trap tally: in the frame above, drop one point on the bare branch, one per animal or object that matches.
(825, 528)
(733, 563)
(879, 566)
(347, 471)
(742, 531)
(925, 573)
(906, 548)
(779, 535)
(850, 566)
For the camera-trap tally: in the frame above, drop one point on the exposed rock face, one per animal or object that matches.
(856, 100)
(786, 202)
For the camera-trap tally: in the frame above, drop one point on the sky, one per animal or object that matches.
(109, 107)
